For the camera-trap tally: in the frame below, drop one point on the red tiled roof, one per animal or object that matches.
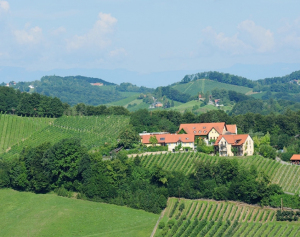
(295, 157)
(231, 128)
(169, 138)
(201, 128)
(97, 84)
(235, 140)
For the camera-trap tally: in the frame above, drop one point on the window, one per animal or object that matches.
(194, 131)
(205, 131)
(199, 131)
(204, 127)
(162, 139)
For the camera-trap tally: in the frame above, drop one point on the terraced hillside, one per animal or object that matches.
(204, 85)
(93, 131)
(15, 129)
(28, 214)
(287, 176)
(211, 218)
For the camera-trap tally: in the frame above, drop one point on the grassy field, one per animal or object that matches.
(93, 131)
(204, 85)
(130, 97)
(287, 176)
(28, 214)
(212, 218)
(189, 107)
(15, 129)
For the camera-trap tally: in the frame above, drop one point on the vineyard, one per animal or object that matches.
(93, 131)
(14, 129)
(211, 218)
(287, 176)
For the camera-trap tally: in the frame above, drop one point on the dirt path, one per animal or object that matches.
(156, 225)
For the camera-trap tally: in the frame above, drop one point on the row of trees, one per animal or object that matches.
(25, 104)
(68, 166)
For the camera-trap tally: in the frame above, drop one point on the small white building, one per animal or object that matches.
(31, 86)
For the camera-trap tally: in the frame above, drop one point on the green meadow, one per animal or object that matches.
(28, 214)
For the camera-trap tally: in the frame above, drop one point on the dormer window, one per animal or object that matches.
(204, 127)
(194, 127)
(205, 131)
(199, 131)
(162, 139)
(194, 131)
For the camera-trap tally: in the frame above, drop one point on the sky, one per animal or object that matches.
(258, 38)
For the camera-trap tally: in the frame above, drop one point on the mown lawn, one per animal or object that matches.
(28, 214)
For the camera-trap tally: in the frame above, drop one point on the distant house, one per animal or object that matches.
(170, 140)
(232, 144)
(31, 86)
(97, 84)
(158, 104)
(295, 159)
(7, 84)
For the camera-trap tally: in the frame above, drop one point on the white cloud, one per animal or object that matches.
(28, 36)
(118, 53)
(260, 38)
(290, 34)
(58, 31)
(97, 36)
(232, 45)
(4, 5)
(249, 38)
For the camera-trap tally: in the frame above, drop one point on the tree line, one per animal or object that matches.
(67, 167)
(31, 105)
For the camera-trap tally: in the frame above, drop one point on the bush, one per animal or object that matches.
(161, 225)
(170, 223)
(267, 151)
(63, 192)
(181, 207)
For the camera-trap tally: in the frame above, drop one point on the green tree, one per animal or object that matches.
(62, 162)
(153, 140)
(128, 137)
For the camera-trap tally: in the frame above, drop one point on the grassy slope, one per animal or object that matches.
(249, 218)
(194, 87)
(14, 129)
(27, 214)
(93, 131)
(287, 176)
(130, 96)
(189, 106)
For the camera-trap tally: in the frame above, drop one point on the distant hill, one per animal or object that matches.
(79, 89)
(203, 85)
(289, 83)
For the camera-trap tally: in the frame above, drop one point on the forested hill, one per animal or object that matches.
(79, 89)
(288, 83)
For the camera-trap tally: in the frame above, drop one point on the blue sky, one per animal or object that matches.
(148, 37)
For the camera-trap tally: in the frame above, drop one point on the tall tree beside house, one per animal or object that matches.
(153, 140)
(128, 137)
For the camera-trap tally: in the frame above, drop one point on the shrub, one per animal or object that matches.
(181, 207)
(63, 192)
(161, 225)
